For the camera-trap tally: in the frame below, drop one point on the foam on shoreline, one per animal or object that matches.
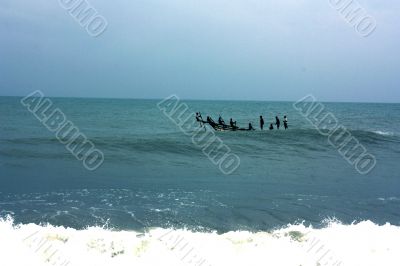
(364, 243)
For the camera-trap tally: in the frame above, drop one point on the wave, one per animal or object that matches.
(384, 133)
(119, 141)
(389, 199)
(363, 243)
(181, 145)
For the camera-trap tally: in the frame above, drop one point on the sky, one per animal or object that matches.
(208, 49)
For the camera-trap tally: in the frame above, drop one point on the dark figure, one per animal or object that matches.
(232, 123)
(251, 127)
(271, 126)
(285, 122)
(211, 122)
(199, 118)
(261, 122)
(221, 121)
(278, 122)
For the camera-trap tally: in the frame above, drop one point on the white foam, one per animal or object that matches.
(389, 199)
(383, 133)
(364, 243)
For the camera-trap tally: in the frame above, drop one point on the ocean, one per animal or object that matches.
(155, 186)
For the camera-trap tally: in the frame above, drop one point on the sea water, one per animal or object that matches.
(293, 198)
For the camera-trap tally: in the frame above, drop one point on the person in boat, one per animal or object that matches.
(278, 122)
(251, 127)
(261, 122)
(208, 119)
(232, 123)
(285, 125)
(211, 122)
(199, 118)
(221, 121)
(271, 126)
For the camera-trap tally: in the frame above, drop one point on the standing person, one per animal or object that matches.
(285, 122)
(261, 122)
(278, 122)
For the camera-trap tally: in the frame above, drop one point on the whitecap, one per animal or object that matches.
(363, 243)
(383, 133)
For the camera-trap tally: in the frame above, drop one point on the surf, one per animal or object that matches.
(363, 243)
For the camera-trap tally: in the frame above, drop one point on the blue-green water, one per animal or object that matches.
(153, 175)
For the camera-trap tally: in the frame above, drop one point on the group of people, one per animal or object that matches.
(233, 125)
(277, 123)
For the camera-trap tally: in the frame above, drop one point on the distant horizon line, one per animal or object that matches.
(189, 99)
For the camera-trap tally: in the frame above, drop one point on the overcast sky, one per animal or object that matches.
(208, 49)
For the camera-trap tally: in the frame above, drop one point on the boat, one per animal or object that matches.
(221, 126)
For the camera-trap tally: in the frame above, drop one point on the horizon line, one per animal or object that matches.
(191, 99)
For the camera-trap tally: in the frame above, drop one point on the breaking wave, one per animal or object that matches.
(384, 133)
(363, 243)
